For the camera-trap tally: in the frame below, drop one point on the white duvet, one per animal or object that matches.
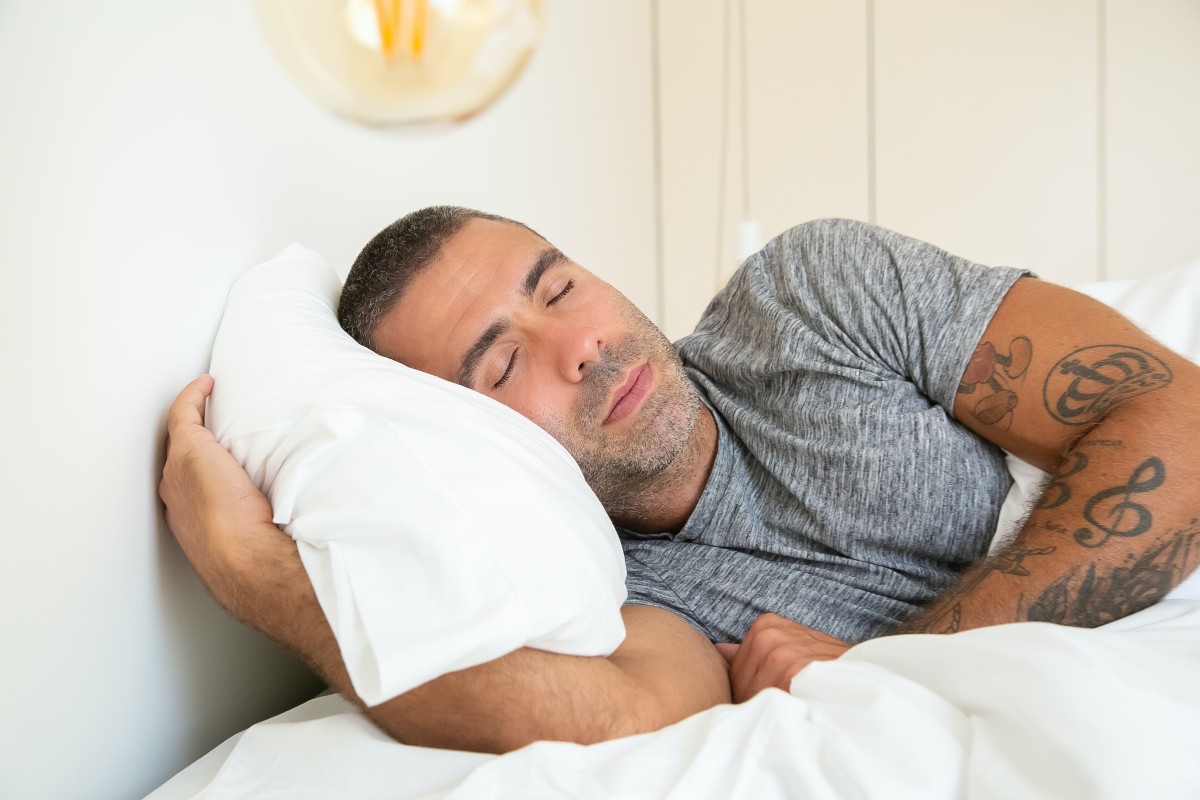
(1017, 711)
(1014, 712)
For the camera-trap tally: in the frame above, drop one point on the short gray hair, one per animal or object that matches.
(387, 264)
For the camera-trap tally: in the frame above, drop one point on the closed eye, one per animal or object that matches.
(566, 290)
(512, 363)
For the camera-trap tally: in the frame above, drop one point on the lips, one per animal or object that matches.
(630, 394)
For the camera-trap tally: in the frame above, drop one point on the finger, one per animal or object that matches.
(743, 670)
(728, 651)
(762, 653)
(744, 673)
(188, 407)
(783, 667)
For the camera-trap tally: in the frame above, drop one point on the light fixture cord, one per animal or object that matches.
(723, 148)
(745, 98)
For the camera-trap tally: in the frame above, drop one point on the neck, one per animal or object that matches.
(666, 501)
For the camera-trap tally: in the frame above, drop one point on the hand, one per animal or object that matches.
(773, 651)
(210, 500)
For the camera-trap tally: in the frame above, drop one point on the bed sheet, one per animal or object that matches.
(1016, 711)
(1026, 710)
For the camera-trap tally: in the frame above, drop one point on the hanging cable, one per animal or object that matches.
(749, 232)
(722, 151)
(745, 109)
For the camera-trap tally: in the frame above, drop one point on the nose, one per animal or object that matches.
(576, 348)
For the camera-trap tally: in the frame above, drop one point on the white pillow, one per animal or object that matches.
(439, 528)
(1166, 306)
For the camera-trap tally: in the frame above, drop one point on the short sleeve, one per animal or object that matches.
(647, 587)
(879, 301)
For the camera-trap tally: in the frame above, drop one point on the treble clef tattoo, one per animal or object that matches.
(1124, 517)
(1058, 491)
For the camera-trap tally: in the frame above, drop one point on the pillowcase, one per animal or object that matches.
(439, 528)
(1166, 306)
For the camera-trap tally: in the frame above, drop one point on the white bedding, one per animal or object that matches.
(1017, 711)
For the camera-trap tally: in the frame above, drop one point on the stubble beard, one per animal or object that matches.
(622, 465)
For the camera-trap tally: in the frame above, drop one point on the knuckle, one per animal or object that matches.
(779, 658)
(773, 637)
(763, 625)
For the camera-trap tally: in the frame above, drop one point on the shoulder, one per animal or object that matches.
(829, 229)
(811, 260)
(829, 235)
(822, 249)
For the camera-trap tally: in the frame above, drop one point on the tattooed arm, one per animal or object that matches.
(1068, 384)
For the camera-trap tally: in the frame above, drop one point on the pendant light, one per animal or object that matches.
(402, 62)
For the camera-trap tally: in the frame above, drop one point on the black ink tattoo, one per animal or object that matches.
(994, 370)
(1085, 385)
(1058, 491)
(1122, 517)
(1100, 599)
(1009, 562)
(955, 622)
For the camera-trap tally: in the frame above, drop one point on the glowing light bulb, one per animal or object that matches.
(398, 62)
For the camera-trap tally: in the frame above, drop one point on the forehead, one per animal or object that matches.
(476, 275)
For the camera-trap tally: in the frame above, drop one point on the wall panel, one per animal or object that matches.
(1152, 135)
(807, 110)
(987, 129)
(690, 37)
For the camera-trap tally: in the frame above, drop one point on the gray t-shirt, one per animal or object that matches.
(844, 495)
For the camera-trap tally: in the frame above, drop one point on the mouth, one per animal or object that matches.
(630, 394)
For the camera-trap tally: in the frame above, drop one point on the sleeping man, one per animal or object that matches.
(818, 464)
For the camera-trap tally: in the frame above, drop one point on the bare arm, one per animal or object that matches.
(663, 672)
(1070, 385)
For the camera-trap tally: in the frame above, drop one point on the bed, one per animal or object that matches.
(1026, 710)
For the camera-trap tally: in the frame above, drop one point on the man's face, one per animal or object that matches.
(501, 311)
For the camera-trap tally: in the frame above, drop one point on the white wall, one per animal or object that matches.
(150, 152)
(1152, 126)
(1056, 136)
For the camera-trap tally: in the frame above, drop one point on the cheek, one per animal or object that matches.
(542, 404)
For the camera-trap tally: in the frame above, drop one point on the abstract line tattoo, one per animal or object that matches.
(1103, 598)
(955, 622)
(1009, 562)
(994, 370)
(1085, 385)
(1122, 517)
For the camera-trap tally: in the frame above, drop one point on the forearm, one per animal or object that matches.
(662, 673)
(256, 574)
(1114, 530)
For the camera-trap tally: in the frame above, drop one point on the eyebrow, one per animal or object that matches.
(470, 362)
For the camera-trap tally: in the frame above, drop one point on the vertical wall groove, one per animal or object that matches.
(722, 148)
(1101, 140)
(660, 267)
(872, 209)
(744, 111)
